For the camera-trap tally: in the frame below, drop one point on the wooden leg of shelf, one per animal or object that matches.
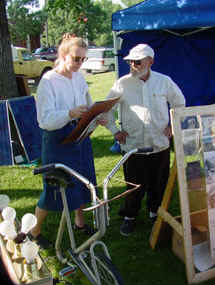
(164, 205)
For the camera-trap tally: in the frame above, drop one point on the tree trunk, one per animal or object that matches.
(8, 85)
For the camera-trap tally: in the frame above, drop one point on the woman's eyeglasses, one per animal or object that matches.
(135, 62)
(79, 58)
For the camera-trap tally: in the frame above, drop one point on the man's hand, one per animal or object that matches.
(121, 137)
(168, 132)
(101, 120)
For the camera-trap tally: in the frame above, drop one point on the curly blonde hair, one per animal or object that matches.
(69, 40)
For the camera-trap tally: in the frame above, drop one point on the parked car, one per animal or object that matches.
(49, 53)
(26, 64)
(99, 59)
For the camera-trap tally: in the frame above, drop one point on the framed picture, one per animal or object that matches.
(194, 140)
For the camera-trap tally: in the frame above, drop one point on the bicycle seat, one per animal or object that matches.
(55, 176)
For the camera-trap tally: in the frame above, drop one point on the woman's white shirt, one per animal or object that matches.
(57, 95)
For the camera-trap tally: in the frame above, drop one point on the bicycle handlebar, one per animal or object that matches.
(44, 169)
(49, 167)
(145, 151)
(125, 157)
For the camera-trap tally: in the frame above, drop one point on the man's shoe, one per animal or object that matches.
(127, 227)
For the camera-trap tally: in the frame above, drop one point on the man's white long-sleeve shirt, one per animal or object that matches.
(144, 109)
(56, 95)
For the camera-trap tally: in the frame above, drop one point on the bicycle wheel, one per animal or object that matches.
(108, 273)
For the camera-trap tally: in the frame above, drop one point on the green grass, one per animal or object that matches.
(135, 259)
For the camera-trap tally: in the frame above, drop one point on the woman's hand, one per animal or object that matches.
(78, 112)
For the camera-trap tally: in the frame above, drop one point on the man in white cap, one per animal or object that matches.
(144, 118)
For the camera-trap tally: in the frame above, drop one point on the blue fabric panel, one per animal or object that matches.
(77, 156)
(188, 60)
(165, 14)
(24, 113)
(6, 157)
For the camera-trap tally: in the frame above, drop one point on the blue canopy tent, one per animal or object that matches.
(182, 34)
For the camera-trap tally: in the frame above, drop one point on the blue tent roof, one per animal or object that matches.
(165, 14)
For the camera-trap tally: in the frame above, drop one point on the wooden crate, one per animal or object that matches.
(199, 232)
(22, 85)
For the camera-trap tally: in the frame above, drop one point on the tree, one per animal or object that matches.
(23, 21)
(84, 18)
(129, 3)
(8, 87)
(106, 38)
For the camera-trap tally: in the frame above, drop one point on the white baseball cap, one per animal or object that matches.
(140, 52)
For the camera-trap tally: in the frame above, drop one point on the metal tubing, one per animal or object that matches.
(60, 232)
(110, 175)
(100, 233)
(68, 220)
(74, 173)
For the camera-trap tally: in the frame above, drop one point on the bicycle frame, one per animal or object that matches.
(108, 178)
(65, 217)
(77, 253)
(101, 216)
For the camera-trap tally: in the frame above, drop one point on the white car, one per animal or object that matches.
(99, 59)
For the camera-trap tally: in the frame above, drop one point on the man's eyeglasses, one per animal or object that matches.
(135, 62)
(79, 58)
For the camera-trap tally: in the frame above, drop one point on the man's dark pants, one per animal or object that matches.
(152, 172)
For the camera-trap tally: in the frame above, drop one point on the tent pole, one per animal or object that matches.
(116, 54)
(115, 45)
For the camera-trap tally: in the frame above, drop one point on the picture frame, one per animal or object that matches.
(195, 147)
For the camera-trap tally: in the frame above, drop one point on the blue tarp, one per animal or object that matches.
(189, 59)
(165, 14)
(6, 156)
(23, 111)
(26, 134)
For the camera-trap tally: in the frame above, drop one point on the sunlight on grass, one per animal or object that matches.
(100, 84)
